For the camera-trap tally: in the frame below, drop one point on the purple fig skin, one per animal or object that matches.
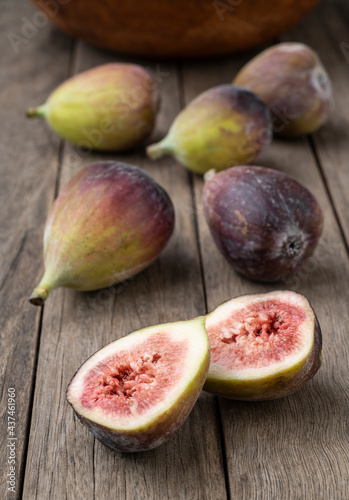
(265, 223)
(291, 80)
(107, 224)
(273, 386)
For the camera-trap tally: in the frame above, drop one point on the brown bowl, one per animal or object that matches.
(176, 28)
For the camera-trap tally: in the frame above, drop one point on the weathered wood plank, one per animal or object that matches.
(331, 19)
(297, 447)
(75, 325)
(29, 159)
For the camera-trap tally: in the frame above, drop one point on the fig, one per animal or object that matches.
(110, 108)
(108, 223)
(263, 346)
(138, 390)
(224, 126)
(292, 81)
(265, 223)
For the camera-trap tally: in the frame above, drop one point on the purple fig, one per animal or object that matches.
(263, 221)
(111, 107)
(107, 224)
(291, 80)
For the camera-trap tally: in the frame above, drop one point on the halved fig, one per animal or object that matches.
(263, 346)
(135, 392)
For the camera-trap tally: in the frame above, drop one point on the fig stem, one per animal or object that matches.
(39, 296)
(39, 112)
(158, 150)
(209, 174)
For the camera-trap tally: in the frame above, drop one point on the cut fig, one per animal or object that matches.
(135, 392)
(263, 346)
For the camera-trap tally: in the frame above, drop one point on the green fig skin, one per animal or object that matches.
(110, 108)
(107, 224)
(225, 126)
(291, 80)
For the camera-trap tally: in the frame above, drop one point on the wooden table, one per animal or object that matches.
(293, 448)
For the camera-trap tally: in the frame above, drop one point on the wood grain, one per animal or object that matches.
(331, 141)
(29, 154)
(295, 447)
(76, 325)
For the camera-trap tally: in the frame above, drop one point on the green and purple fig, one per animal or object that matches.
(223, 127)
(263, 346)
(138, 390)
(291, 80)
(110, 108)
(107, 224)
(265, 223)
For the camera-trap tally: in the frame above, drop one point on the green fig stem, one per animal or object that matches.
(160, 149)
(209, 174)
(39, 112)
(39, 296)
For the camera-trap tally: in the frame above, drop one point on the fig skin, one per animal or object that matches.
(108, 223)
(225, 126)
(157, 429)
(292, 81)
(273, 385)
(110, 108)
(264, 222)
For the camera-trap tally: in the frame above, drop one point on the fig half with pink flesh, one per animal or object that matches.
(263, 346)
(138, 390)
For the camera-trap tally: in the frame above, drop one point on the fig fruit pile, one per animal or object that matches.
(112, 220)
(224, 126)
(264, 222)
(292, 81)
(108, 223)
(137, 391)
(110, 108)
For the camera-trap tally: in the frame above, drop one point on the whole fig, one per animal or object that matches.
(107, 224)
(291, 80)
(111, 107)
(224, 126)
(263, 221)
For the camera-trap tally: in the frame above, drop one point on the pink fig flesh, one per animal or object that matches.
(263, 346)
(265, 223)
(107, 224)
(137, 391)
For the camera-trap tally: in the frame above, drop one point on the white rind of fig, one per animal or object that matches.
(172, 358)
(255, 361)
